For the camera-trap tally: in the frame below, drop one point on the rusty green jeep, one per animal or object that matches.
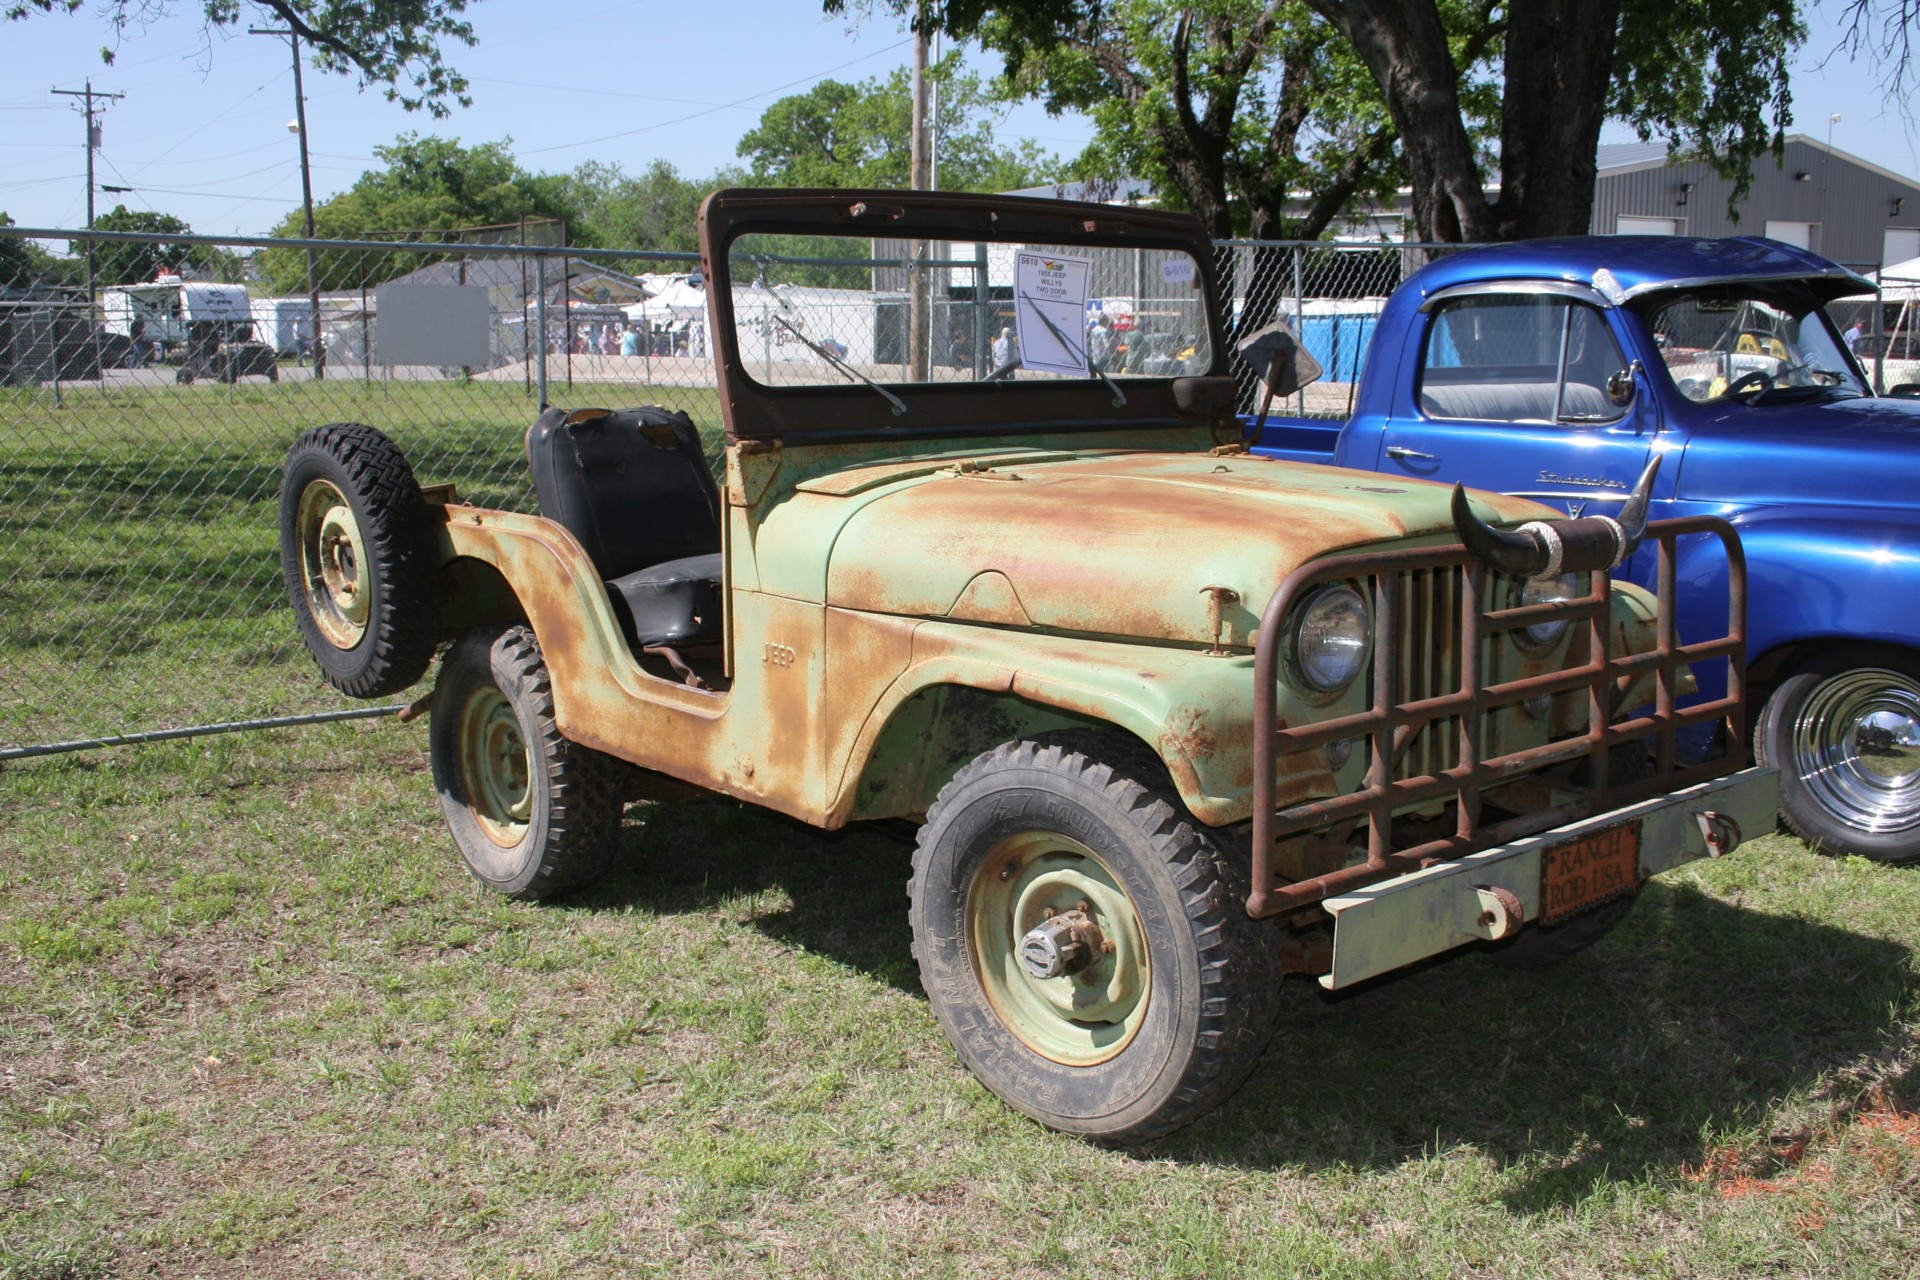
(1172, 722)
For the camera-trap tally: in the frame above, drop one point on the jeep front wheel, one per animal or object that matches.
(532, 813)
(1084, 942)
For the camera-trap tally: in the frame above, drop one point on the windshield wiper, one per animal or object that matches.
(899, 405)
(1078, 353)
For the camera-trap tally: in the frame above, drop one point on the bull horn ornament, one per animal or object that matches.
(1547, 548)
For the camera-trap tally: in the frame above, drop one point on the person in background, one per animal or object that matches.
(630, 341)
(1856, 335)
(1100, 342)
(1003, 348)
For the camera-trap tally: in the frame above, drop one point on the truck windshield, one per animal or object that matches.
(1721, 345)
(819, 309)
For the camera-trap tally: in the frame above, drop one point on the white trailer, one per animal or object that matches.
(162, 309)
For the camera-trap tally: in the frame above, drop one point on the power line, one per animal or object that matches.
(725, 106)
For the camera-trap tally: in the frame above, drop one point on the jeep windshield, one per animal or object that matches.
(1734, 344)
(847, 311)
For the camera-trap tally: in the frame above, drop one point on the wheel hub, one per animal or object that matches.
(333, 557)
(496, 768)
(1061, 944)
(1059, 948)
(1856, 743)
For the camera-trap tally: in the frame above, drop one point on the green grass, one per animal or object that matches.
(138, 541)
(256, 1020)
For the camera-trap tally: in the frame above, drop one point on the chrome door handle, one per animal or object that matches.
(1401, 451)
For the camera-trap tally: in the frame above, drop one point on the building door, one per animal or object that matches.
(1629, 226)
(1797, 234)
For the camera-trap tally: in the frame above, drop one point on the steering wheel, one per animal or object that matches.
(1747, 381)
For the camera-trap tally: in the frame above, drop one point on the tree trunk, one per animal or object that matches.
(1558, 59)
(1404, 45)
(1559, 62)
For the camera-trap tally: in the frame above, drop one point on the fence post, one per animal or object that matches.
(1299, 320)
(540, 323)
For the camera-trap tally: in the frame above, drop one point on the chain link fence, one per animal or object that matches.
(142, 428)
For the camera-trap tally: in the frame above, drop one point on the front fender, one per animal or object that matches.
(1192, 709)
(1831, 572)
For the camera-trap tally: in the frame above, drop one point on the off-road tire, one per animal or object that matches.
(371, 625)
(532, 813)
(1211, 991)
(1828, 793)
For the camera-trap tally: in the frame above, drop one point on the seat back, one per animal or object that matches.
(631, 484)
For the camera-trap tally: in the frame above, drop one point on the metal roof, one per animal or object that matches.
(1619, 267)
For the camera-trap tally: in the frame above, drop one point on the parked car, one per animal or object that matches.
(1556, 369)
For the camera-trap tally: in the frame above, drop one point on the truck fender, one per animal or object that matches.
(1823, 573)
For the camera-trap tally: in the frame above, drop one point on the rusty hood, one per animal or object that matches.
(1122, 544)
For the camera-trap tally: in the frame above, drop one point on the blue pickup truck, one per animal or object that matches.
(1558, 369)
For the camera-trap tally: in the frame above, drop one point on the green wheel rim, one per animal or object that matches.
(333, 563)
(495, 767)
(1078, 1019)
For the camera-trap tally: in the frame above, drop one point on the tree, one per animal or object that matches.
(656, 209)
(429, 188)
(1233, 107)
(24, 264)
(1708, 75)
(129, 262)
(859, 135)
(392, 43)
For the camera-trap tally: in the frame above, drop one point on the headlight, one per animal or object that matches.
(1331, 636)
(1546, 591)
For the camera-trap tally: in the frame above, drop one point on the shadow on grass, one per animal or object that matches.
(846, 890)
(1690, 1021)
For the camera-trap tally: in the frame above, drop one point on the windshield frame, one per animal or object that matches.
(1801, 306)
(821, 413)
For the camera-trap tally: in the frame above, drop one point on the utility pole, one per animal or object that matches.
(306, 199)
(919, 317)
(93, 145)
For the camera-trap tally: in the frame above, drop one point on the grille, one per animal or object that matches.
(1427, 656)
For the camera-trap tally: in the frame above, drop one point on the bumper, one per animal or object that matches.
(1422, 913)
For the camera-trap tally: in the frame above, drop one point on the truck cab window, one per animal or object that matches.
(1520, 359)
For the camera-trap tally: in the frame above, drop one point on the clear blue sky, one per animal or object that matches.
(202, 131)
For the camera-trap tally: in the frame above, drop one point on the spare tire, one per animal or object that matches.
(356, 552)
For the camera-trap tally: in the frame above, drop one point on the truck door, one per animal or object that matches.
(1524, 392)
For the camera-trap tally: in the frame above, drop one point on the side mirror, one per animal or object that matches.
(1620, 385)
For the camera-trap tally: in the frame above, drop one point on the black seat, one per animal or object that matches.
(633, 487)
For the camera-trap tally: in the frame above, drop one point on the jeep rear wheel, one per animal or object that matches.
(532, 813)
(357, 561)
(1084, 942)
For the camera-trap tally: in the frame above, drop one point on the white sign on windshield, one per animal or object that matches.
(1050, 312)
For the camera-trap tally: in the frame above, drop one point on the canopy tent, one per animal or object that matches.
(1899, 281)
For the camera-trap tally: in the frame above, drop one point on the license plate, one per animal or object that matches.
(1584, 873)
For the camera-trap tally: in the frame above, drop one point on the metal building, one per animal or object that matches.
(1817, 196)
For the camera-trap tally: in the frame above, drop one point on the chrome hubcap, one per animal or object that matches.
(1856, 745)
